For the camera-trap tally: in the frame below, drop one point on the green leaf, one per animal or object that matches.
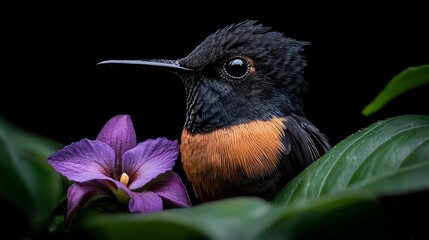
(248, 218)
(390, 157)
(27, 181)
(408, 79)
(339, 217)
(334, 198)
(219, 220)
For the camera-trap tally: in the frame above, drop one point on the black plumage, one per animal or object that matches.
(245, 133)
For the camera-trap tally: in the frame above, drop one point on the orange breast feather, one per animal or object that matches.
(221, 159)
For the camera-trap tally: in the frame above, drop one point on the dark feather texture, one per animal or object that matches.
(245, 132)
(225, 116)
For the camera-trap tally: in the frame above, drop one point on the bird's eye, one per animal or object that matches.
(236, 67)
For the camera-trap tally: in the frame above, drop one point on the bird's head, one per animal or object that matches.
(240, 73)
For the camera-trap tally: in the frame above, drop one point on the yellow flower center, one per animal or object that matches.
(124, 179)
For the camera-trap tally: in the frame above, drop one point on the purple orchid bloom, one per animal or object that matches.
(115, 166)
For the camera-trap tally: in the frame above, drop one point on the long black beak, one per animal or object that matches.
(168, 65)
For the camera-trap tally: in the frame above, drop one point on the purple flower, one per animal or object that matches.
(115, 166)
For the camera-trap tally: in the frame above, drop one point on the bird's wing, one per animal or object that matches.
(306, 144)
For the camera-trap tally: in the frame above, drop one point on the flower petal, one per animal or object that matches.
(81, 194)
(170, 188)
(119, 134)
(145, 202)
(149, 159)
(84, 161)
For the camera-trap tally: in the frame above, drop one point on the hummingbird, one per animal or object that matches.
(245, 131)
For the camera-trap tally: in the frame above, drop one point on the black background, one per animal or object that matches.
(55, 89)
(51, 84)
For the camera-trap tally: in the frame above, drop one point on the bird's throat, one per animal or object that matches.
(228, 157)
